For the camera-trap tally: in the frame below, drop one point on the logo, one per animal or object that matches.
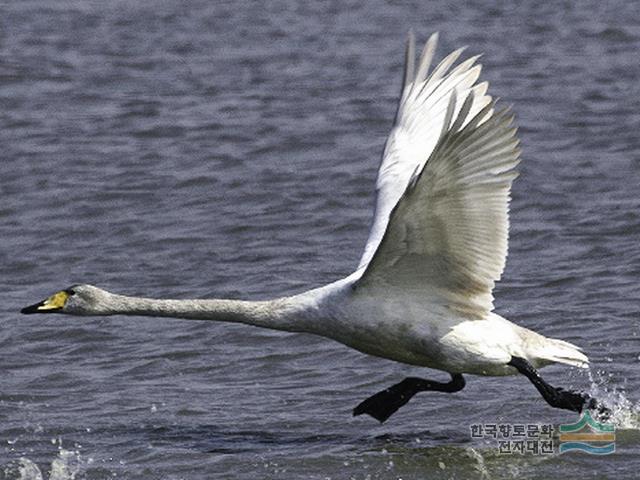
(517, 438)
(588, 436)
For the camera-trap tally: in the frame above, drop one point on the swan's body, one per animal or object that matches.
(422, 293)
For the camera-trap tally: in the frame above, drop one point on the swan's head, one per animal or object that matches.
(75, 300)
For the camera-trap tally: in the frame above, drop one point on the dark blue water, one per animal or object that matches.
(194, 149)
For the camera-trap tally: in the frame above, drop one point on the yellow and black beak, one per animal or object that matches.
(54, 303)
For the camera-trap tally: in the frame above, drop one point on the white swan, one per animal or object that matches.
(422, 293)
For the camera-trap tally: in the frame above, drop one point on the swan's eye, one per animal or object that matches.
(70, 292)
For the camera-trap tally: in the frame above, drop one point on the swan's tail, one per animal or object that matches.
(559, 351)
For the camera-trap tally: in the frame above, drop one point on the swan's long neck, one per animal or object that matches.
(287, 313)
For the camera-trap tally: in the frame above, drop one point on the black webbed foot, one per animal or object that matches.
(558, 397)
(385, 403)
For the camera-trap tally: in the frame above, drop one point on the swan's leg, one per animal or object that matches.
(557, 397)
(385, 403)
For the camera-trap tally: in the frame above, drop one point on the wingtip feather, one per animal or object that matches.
(409, 60)
(426, 58)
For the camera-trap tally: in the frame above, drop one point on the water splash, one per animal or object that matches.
(23, 469)
(65, 466)
(480, 466)
(624, 413)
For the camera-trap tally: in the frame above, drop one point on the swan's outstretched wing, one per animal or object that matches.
(418, 125)
(446, 238)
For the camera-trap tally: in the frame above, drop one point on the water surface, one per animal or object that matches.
(194, 149)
